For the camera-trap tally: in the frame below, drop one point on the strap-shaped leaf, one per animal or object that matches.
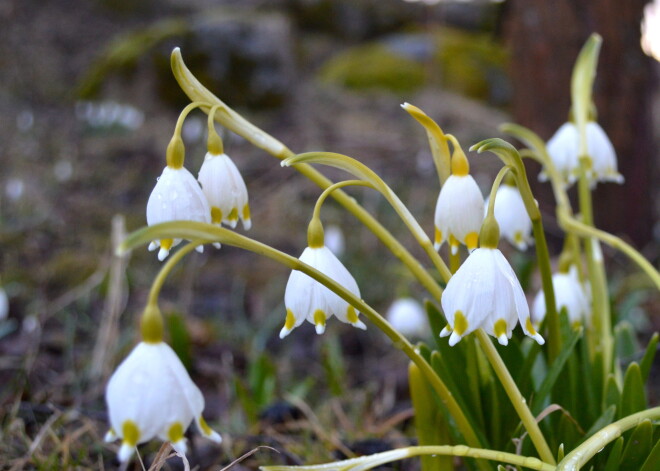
(647, 359)
(633, 397)
(638, 447)
(614, 458)
(653, 460)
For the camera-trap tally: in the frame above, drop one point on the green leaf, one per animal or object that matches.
(612, 395)
(560, 453)
(638, 447)
(605, 419)
(633, 397)
(179, 337)
(436, 320)
(333, 364)
(625, 340)
(653, 460)
(430, 424)
(555, 370)
(614, 458)
(649, 355)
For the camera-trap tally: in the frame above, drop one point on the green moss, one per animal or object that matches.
(373, 66)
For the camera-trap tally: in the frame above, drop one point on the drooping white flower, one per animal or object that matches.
(176, 197)
(225, 190)
(511, 215)
(564, 148)
(569, 294)
(408, 317)
(485, 293)
(151, 395)
(334, 240)
(306, 298)
(459, 212)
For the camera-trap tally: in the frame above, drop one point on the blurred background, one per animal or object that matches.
(88, 105)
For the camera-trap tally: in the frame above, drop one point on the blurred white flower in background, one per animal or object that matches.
(407, 316)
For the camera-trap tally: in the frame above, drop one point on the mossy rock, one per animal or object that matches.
(373, 65)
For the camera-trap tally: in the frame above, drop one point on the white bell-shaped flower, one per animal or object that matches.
(485, 293)
(564, 147)
(225, 190)
(151, 395)
(459, 213)
(569, 294)
(408, 317)
(176, 197)
(511, 215)
(306, 298)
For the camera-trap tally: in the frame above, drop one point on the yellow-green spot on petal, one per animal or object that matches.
(206, 430)
(233, 215)
(216, 215)
(518, 237)
(530, 328)
(351, 315)
(472, 240)
(246, 212)
(290, 320)
(166, 244)
(499, 328)
(175, 432)
(319, 317)
(130, 433)
(460, 323)
(438, 235)
(453, 241)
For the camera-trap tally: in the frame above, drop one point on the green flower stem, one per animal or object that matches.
(364, 463)
(236, 123)
(577, 458)
(516, 397)
(454, 261)
(510, 156)
(167, 269)
(214, 142)
(363, 172)
(331, 188)
(493, 190)
(208, 233)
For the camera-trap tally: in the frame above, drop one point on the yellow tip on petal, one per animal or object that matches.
(233, 215)
(351, 315)
(472, 240)
(166, 244)
(130, 433)
(246, 212)
(175, 432)
(460, 323)
(216, 215)
(319, 321)
(438, 236)
(500, 329)
(207, 431)
(454, 339)
(290, 320)
(445, 332)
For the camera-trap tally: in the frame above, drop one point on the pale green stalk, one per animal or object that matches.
(166, 269)
(363, 172)
(236, 123)
(364, 463)
(209, 233)
(581, 455)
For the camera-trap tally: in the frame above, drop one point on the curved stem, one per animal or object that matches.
(214, 144)
(493, 190)
(208, 233)
(364, 463)
(331, 188)
(516, 397)
(587, 450)
(184, 114)
(167, 268)
(236, 123)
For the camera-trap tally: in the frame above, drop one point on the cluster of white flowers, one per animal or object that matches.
(570, 294)
(177, 196)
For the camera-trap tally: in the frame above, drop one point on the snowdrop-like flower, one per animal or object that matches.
(151, 395)
(459, 211)
(511, 215)
(485, 293)
(408, 317)
(569, 294)
(176, 197)
(225, 190)
(306, 298)
(564, 148)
